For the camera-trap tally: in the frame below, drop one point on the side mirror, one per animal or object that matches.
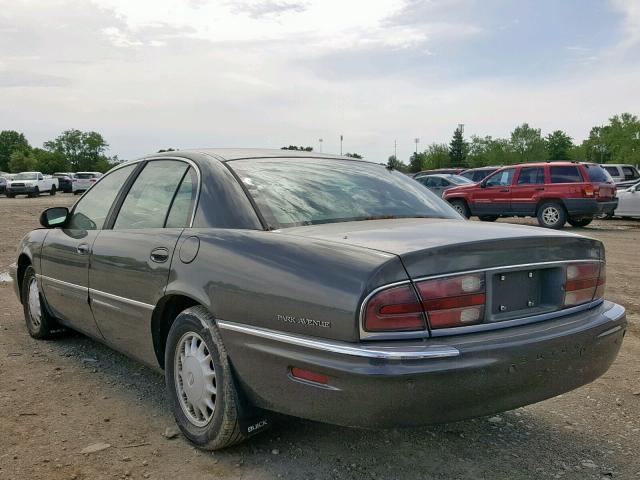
(54, 217)
(483, 184)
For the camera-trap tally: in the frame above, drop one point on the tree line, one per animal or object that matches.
(618, 141)
(71, 151)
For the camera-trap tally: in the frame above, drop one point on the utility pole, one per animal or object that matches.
(320, 140)
(417, 140)
(341, 138)
(395, 149)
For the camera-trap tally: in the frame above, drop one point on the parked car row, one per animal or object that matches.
(33, 184)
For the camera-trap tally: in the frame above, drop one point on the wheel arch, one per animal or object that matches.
(24, 261)
(163, 316)
(542, 201)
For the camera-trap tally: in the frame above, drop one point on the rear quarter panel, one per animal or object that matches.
(278, 281)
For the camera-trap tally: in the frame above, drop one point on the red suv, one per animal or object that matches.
(554, 192)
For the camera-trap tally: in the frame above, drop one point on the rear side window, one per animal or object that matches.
(531, 176)
(630, 173)
(184, 202)
(597, 174)
(148, 201)
(565, 174)
(469, 175)
(612, 171)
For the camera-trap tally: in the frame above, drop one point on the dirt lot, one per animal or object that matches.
(58, 397)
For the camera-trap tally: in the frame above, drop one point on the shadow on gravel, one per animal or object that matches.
(533, 442)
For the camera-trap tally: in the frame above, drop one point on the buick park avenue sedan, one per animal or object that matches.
(317, 286)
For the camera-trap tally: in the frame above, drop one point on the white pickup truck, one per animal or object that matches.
(31, 184)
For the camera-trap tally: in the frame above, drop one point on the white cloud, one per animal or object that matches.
(631, 11)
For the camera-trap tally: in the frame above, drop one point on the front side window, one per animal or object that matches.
(612, 171)
(147, 202)
(565, 174)
(630, 173)
(305, 191)
(531, 176)
(502, 178)
(91, 211)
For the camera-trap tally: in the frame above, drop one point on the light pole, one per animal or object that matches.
(417, 140)
(320, 140)
(461, 127)
(395, 149)
(341, 138)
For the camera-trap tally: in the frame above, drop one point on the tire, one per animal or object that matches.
(40, 323)
(580, 222)
(488, 218)
(221, 427)
(11, 195)
(52, 192)
(461, 207)
(36, 193)
(552, 215)
(607, 216)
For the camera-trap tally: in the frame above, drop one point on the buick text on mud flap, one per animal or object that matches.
(303, 321)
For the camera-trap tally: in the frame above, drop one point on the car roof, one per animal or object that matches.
(229, 154)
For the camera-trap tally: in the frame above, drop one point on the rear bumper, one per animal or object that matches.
(589, 206)
(439, 380)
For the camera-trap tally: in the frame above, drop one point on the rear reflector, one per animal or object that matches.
(394, 309)
(308, 376)
(453, 301)
(585, 281)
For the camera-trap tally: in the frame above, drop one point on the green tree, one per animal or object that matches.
(559, 146)
(82, 149)
(616, 142)
(528, 144)
(394, 164)
(417, 162)
(353, 155)
(50, 162)
(22, 162)
(294, 147)
(11, 141)
(458, 149)
(437, 156)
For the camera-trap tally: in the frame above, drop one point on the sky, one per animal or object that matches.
(266, 73)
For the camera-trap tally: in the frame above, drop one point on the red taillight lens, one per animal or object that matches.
(92, 180)
(589, 190)
(585, 282)
(394, 309)
(453, 301)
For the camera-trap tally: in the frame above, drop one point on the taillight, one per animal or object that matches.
(585, 281)
(589, 190)
(394, 309)
(453, 301)
(92, 180)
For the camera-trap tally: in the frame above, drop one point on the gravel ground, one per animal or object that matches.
(59, 397)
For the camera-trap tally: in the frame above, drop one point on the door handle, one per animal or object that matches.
(504, 190)
(540, 189)
(159, 255)
(82, 249)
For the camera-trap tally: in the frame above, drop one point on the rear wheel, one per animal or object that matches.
(10, 195)
(203, 394)
(39, 322)
(488, 218)
(461, 207)
(580, 222)
(552, 215)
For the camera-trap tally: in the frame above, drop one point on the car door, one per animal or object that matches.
(528, 186)
(629, 202)
(130, 259)
(66, 251)
(494, 196)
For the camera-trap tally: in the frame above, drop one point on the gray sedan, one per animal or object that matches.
(439, 182)
(318, 286)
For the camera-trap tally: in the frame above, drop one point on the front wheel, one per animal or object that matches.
(35, 193)
(488, 218)
(552, 215)
(53, 190)
(39, 322)
(580, 222)
(203, 394)
(461, 207)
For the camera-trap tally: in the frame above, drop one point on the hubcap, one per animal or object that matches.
(195, 379)
(35, 313)
(550, 215)
(458, 208)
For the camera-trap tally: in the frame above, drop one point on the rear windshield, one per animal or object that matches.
(598, 174)
(309, 191)
(85, 176)
(458, 180)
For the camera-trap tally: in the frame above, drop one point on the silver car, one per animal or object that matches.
(440, 182)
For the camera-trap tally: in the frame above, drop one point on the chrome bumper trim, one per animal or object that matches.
(343, 348)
